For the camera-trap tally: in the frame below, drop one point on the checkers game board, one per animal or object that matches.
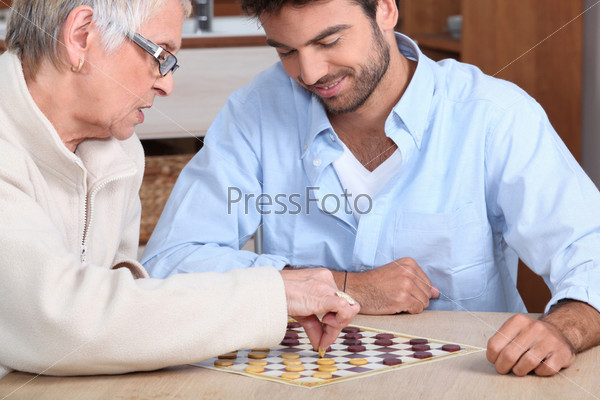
(358, 352)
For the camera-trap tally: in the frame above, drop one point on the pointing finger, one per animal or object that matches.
(313, 328)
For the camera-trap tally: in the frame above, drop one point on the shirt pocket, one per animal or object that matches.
(450, 248)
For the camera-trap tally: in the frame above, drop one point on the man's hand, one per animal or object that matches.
(311, 292)
(524, 344)
(400, 286)
(547, 345)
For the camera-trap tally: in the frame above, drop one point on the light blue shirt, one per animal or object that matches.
(484, 180)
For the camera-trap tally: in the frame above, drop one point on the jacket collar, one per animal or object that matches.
(29, 129)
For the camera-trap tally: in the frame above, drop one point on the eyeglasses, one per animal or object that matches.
(167, 62)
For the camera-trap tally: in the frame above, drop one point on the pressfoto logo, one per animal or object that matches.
(297, 203)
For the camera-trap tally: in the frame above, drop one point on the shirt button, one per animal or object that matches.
(363, 269)
(332, 137)
(317, 162)
(305, 147)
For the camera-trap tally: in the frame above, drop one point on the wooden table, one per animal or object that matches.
(465, 377)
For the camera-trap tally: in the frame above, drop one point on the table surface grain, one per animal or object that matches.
(466, 377)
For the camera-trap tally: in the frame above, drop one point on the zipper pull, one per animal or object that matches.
(83, 253)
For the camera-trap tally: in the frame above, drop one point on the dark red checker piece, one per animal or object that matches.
(418, 341)
(291, 335)
(293, 325)
(392, 361)
(290, 342)
(384, 342)
(356, 348)
(421, 347)
(351, 329)
(352, 342)
(422, 354)
(353, 335)
(384, 336)
(326, 350)
(451, 347)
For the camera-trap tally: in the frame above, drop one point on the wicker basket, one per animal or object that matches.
(159, 177)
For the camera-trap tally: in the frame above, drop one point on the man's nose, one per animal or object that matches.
(312, 67)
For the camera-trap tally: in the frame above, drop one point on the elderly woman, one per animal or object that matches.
(74, 82)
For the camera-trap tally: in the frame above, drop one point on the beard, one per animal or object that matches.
(366, 80)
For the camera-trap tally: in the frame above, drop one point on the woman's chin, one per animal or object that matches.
(124, 134)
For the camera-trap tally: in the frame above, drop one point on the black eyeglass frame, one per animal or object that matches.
(167, 62)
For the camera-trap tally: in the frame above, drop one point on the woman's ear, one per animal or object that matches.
(76, 34)
(387, 14)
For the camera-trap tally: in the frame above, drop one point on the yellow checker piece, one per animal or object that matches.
(255, 369)
(261, 350)
(325, 361)
(328, 368)
(358, 361)
(290, 375)
(294, 368)
(262, 363)
(257, 355)
(228, 356)
(321, 352)
(223, 363)
(322, 375)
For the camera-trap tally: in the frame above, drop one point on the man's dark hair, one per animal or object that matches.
(256, 8)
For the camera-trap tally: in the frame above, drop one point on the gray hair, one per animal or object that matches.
(34, 25)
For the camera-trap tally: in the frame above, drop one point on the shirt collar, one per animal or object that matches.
(411, 112)
(318, 121)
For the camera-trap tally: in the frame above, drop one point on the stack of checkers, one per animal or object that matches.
(358, 351)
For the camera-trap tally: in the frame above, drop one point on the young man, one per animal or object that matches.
(419, 183)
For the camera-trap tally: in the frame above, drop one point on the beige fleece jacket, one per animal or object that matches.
(65, 221)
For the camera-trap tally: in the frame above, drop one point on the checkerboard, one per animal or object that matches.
(373, 354)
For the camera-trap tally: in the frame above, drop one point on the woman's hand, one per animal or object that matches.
(312, 292)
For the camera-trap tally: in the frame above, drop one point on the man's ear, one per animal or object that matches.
(76, 33)
(387, 14)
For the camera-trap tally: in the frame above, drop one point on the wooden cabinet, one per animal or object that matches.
(222, 7)
(3, 5)
(227, 7)
(536, 44)
(425, 21)
(538, 47)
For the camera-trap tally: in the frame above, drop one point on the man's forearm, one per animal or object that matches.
(400, 286)
(338, 276)
(577, 321)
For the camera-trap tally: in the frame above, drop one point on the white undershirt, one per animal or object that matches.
(359, 181)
